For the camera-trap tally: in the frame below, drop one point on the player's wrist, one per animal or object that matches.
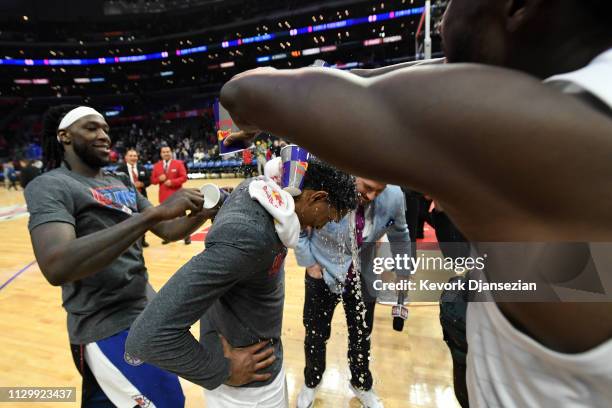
(153, 216)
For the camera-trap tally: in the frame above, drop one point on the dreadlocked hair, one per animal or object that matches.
(53, 150)
(340, 186)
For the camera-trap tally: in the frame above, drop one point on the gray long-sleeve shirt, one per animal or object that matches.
(236, 288)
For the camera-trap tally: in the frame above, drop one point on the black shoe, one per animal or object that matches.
(145, 244)
(188, 241)
(165, 242)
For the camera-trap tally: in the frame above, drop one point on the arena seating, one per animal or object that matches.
(210, 168)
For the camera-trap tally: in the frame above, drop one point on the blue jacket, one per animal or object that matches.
(330, 246)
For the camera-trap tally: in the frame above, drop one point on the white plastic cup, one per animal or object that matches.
(213, 196)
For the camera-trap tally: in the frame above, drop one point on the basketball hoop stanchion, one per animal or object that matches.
(425, 20)
(428, 29)
(417, 54)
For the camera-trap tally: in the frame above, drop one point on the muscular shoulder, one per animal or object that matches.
(51, 180)
(52, 175)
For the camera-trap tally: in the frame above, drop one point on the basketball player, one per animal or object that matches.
(527, 151)
(86, 224)
(327, 255)
(236, 287)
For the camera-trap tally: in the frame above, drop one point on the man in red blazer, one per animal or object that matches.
(170, 175)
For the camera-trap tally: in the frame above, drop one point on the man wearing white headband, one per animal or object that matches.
(76, 114)
(86, 224)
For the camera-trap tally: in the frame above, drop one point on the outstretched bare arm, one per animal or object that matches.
(370, 73)
(470, 136)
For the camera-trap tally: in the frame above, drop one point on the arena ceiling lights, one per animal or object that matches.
(329, 48)
(371, 19)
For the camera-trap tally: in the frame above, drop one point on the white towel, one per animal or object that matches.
(274, 170)
(281, 207)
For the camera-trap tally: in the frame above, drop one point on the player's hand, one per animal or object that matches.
(139, 184)
(162, 178)
(177, 205)
(168, 183)
(207, 213)
(247, 361)
(241, 136)
(315, 271)
(231, 101)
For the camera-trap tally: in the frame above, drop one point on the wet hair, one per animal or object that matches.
(340, 186)
(53, 150)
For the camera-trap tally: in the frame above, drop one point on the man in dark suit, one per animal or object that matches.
(139, 176)
(170, 174)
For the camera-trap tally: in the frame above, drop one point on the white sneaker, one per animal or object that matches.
(306, 396)
(368, 399)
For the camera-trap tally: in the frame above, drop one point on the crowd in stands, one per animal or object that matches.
(193, 140)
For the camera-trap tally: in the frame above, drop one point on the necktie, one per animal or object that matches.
(134, 174)
(166, 166)
(359, 224)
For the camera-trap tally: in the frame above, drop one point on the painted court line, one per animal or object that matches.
(13, 212)
(25, 268)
